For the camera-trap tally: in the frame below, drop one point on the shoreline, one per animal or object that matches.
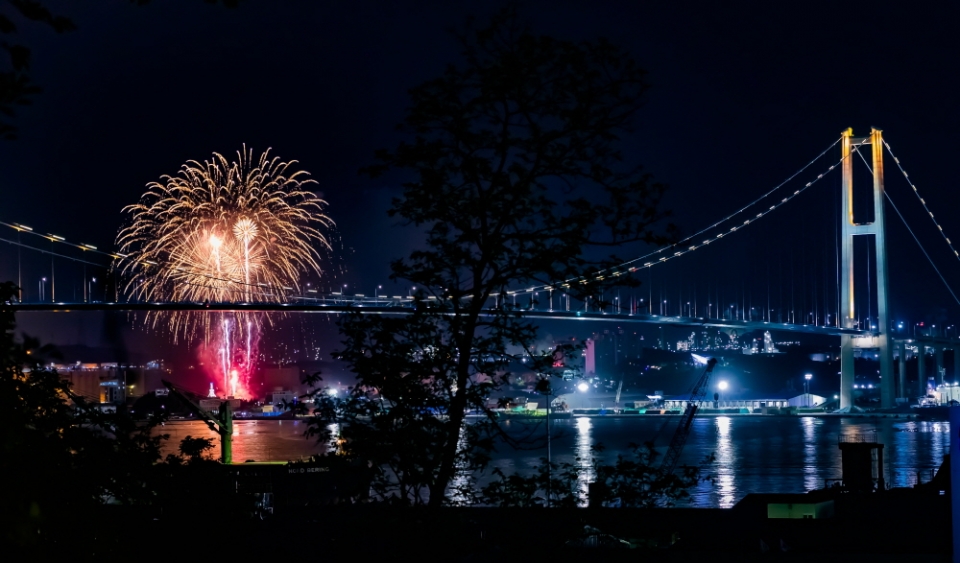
(566, 415)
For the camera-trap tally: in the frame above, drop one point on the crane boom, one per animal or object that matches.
(672, 456)
(222, 424)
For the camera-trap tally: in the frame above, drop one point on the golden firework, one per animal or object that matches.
(224, 231)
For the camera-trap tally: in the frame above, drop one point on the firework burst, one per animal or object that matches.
(224, 231)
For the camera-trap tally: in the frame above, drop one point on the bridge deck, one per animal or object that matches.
(391, 308)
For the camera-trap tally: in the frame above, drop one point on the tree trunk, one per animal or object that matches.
(458, 406)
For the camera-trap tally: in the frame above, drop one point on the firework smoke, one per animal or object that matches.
(222, 231)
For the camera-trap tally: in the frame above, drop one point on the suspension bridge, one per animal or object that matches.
(876, 334)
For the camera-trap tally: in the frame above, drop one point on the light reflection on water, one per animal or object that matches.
(811, 479)
(753, 454)
(257, 440)
(584, 452)
(726, 456)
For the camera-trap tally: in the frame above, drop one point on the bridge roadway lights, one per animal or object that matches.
(387, 308)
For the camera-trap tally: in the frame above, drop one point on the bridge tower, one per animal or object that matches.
(850, 229)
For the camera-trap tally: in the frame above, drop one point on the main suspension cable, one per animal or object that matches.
(627, 267)
(922, 201)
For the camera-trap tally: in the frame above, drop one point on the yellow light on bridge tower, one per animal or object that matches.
(849, 229)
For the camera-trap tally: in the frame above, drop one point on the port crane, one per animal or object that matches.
(672, 456)
(221, 423)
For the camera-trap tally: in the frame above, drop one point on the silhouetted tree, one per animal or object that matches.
(515, 174)
(635, 481)
(16, 88)
(60, 455)
(195, 448)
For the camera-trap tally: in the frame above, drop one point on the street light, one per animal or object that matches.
(722, 386)
(41, 285)
(90, 288)
(806, 389)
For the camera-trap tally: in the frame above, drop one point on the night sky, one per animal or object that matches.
(743, 95)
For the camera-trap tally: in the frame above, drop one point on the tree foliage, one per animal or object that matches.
(634, 481)
(63, 455)
(514, 171)
(16, 87)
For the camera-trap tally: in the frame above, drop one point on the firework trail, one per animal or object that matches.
(224, 231)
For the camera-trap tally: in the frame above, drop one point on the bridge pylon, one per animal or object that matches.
(850, 229)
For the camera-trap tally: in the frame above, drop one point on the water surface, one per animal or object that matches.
(753, 454)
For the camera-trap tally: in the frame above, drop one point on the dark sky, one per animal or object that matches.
(743, 95)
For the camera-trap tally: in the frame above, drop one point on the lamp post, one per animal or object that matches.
(90, 288)
(806, 389)
(41, 285)
(549, 447)
(722, 386)
(376, 294)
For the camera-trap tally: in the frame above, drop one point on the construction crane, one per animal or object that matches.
(697, 394)
(221, 423)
